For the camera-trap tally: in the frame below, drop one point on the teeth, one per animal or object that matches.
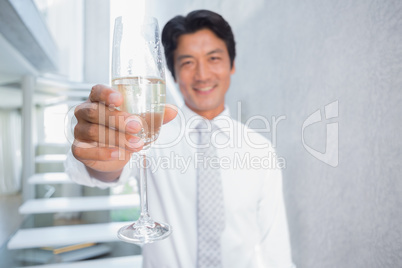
(205, 88)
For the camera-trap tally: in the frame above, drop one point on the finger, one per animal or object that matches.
(99, 134)
(105, 94)
(170, 113)
(87, 151)
(107, 166)
(110, 165)
(84, 152)
(98, 113)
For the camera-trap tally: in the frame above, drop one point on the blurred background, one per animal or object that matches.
(321, 79)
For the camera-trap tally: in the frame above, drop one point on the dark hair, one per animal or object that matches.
(194, 21)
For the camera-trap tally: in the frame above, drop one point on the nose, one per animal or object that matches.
(202, 72)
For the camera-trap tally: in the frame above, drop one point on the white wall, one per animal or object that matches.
(65, 21)
(295, 57)
(97, 34)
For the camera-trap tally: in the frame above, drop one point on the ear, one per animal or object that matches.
(175, 74)
(233, 70)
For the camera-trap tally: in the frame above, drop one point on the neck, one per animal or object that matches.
(209, 114)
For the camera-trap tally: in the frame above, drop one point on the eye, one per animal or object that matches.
(185, 63)
(214, 58)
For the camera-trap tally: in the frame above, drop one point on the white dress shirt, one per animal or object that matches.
(256, 230)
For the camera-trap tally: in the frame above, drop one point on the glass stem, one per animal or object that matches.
(144, 217)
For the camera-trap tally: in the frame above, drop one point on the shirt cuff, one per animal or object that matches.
(78, 173)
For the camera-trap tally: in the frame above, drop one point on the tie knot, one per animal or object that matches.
(206, 126)
(205, 129)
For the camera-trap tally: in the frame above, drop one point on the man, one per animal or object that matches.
(200, 52)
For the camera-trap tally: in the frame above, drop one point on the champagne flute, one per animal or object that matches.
(138, 74)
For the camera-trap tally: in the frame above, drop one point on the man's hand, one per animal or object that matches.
(104, 138)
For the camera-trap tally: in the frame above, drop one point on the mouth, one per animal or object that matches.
(204, 90)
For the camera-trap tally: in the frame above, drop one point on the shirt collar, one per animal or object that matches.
(221, 121)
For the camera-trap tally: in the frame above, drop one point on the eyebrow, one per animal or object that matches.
(181, 57)
(218, 50)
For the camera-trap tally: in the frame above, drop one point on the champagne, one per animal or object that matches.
(144, 97)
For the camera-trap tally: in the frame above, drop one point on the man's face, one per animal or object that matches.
(202, 68)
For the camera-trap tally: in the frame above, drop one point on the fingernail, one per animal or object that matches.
(136, 142)
(114, 97)
(115, 154)
(134, 124)
(133, 140)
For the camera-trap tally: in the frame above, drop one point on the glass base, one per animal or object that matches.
(140, 233)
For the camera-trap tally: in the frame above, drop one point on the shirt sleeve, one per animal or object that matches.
(275, 250)
(78, 173)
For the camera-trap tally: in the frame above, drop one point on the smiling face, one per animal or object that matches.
(202, 67)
